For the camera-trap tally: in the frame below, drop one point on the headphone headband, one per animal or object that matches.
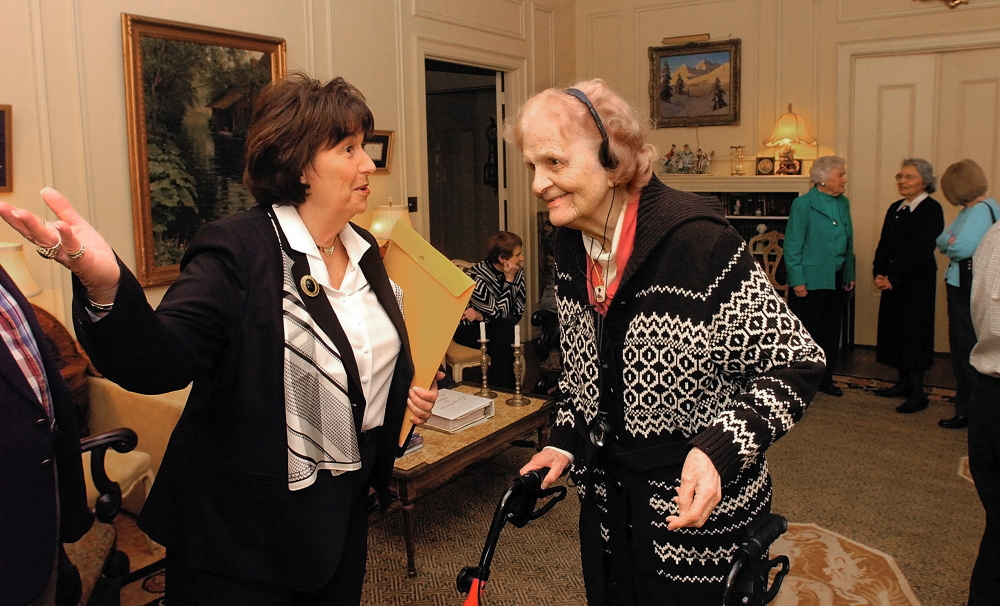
(607, 160)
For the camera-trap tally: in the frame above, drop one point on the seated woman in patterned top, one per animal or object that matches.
(681, 364)
(497, 300)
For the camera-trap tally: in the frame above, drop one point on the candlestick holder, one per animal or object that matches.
(518, 399)
(484, 364)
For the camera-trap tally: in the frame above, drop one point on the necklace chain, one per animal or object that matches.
(328, 250)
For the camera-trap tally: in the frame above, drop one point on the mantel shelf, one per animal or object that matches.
(727, 183)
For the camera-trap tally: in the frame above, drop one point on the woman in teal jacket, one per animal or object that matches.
(964, 184)
(819, 258)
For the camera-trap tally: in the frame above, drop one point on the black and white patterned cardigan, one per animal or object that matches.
(700, 351)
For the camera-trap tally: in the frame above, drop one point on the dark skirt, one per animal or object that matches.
(906, 324)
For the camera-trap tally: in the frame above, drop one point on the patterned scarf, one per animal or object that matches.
(319, 422)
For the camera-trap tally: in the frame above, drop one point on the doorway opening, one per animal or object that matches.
(465, 175)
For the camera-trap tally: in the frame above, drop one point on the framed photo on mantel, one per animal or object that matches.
(695, 84)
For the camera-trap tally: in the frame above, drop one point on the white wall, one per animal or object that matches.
(793, 51)
(64, 78)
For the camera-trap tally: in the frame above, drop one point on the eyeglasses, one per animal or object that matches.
(902, 177)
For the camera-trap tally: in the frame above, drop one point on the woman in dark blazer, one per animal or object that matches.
(819, 258)
(906, 272)
(285, 321)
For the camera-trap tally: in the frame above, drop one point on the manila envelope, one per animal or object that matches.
(435, 295)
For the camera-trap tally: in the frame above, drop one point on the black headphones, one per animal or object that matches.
(608, 160)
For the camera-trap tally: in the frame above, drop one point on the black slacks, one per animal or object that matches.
(820, 312)
(194, 587)
(961, 339)
(984, 462)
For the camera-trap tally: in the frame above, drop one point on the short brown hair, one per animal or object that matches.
(502, 245)
(963, 182)
(294, 119)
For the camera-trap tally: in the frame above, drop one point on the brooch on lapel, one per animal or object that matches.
(309, 285)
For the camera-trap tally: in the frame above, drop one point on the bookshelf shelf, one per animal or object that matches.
(744, 196)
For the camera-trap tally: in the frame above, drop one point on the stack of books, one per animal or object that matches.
(416, 443)
(455, 411)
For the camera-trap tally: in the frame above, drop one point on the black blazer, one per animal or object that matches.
(221, 500)
(28, 448)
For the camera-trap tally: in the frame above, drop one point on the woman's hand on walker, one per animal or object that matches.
(556, 461)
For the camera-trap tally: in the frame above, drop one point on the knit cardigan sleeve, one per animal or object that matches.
(765, 352)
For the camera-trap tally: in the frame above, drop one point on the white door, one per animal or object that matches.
(940, 106)
(893, 119)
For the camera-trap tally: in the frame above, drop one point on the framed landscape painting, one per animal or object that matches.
(189, 94)
(695, 84)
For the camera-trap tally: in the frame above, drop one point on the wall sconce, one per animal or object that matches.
(13, 261)
(384, 217)
(790, 128)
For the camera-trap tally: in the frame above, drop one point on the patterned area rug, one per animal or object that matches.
(936, 395)
(828, 569)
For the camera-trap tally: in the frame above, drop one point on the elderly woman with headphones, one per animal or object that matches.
(681, 364)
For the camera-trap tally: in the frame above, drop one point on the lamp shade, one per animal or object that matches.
(790, 128)
(385, 217)
(13, 261)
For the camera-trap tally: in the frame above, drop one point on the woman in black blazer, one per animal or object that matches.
(285, 321)
(905, 270)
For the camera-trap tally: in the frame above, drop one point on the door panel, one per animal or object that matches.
(893, 120)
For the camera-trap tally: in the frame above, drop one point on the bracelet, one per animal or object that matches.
(99, 307)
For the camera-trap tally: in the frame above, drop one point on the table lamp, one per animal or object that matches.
(790, 128)
(13, 261)
(384, 217)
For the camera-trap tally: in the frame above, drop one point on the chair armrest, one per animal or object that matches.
(548, 336)
(122, 440)
(151, 416)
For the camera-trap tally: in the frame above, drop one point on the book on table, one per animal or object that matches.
(455, 410)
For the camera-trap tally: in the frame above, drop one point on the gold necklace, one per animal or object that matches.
(328, 250)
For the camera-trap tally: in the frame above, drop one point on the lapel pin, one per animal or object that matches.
(309, 285)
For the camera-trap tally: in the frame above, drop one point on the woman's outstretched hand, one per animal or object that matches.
(71, 242)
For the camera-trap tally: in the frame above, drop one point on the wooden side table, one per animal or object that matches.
(445, 456)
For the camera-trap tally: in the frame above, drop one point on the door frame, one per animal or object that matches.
(520, 206)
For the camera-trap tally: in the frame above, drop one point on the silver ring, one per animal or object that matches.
(50, 252)
(78, 253)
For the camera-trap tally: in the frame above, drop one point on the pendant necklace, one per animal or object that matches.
(328, 250)
(600, 291)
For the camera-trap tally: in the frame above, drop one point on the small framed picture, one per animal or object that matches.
(378, 146)
(6, 151)
(765, 165)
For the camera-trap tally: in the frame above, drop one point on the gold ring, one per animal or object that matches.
(50, 252)
(78, 253)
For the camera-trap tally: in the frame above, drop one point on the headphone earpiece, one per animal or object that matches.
(608, 160)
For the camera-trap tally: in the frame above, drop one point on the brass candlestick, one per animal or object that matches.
(484, 364)
(518, 399)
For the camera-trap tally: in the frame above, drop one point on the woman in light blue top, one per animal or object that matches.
(964, 184)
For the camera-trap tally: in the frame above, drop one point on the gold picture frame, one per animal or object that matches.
(189, 93)
(695, 84)
(6, 149)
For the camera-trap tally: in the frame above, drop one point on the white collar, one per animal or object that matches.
(913, 204)
(301, 240)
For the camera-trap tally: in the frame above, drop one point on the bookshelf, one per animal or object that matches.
(750, 201)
